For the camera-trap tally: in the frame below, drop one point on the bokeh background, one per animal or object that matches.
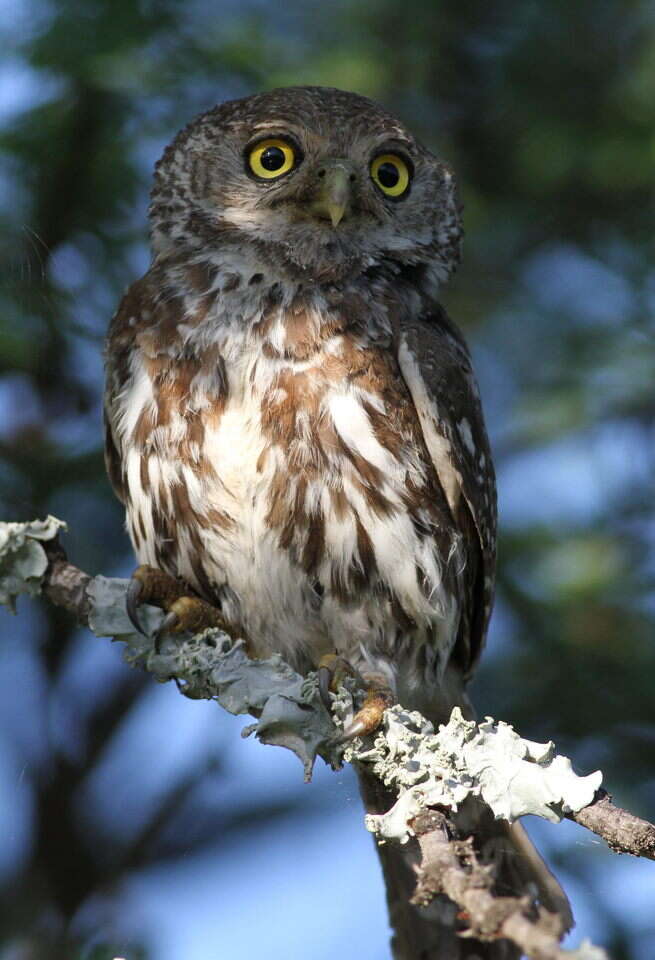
(136, 824)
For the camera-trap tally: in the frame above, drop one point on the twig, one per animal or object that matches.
(64, 584)
(621, 830)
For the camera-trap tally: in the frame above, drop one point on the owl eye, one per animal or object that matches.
(391, 174)
(271, 158)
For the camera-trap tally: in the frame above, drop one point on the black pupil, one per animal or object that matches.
(272, 158)
(388, 174)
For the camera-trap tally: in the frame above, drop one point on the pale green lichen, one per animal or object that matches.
(489, 760)
(287, 706)
(211, 666)
(108, 614)
(23, 561)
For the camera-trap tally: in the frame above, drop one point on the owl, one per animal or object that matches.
(292, 420)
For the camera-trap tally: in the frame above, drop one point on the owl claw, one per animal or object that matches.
(331, 670)
(324, 680)
(152, 586)
(192, 615)
(184, 613)
(132, 603)
(369, 717)
(356, 728)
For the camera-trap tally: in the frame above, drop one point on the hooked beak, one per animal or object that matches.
(333, 197)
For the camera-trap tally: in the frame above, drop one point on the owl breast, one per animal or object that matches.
(282, 472)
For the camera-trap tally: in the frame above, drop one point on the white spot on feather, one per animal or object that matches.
(135, 398)
(354, 427)
(464, 428)
(438, 445)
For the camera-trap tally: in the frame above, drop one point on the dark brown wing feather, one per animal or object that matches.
(113, 462)
(436, 366)
(137, 301)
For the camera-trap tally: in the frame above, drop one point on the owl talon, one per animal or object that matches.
(152, 586)
(133, 602)
(184, 613)
(191, 615)
(324, 680)
(356, 728)
(369, 717)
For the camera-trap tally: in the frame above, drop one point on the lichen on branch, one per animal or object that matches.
(23, 560)
(212, 666)
(487, 760)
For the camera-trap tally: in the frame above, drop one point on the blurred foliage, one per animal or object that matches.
(545, 112)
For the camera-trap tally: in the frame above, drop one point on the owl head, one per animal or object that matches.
(315, 183)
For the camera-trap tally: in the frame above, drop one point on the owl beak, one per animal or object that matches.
(333, 197)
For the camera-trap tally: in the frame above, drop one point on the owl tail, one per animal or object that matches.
(428, 933)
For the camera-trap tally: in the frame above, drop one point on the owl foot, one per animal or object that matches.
(369, 717)
(189, 615)
(331, 670)
(184, 613)
(152, 586)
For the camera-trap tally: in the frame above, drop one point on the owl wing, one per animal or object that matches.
(137, 303)
(436, 366)
(113, 464)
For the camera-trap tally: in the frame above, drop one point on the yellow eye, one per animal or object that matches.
(271, 158)
(391, 174)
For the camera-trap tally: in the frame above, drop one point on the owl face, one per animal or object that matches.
(319, 183)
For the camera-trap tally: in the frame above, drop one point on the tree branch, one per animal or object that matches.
(621, 830)
(430, 774)
(451, 866)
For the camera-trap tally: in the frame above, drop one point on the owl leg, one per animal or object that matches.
(185, 613)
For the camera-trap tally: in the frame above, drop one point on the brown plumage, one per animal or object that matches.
(293, 424)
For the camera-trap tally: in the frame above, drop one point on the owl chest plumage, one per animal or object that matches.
(278, 466)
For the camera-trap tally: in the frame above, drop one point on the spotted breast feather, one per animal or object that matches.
(306, 467)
